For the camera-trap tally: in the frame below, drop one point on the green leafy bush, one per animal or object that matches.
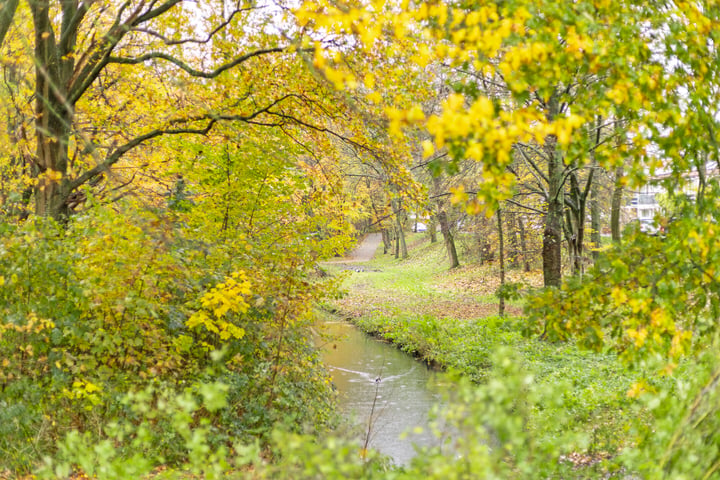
(108, 305)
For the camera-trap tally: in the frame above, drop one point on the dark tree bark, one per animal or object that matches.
(594, 193)
(53, 109)
(445, 230)
(397, 243)
(523, 244)
(448, 237)
(401, 248)
(576, 202)
(64, 74)
(552, 234)
(616, 205)
(514, 251)
(387, 240)
(432, 229)
(595, 234)
(501, 258)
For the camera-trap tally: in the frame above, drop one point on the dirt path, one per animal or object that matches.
(363, 252)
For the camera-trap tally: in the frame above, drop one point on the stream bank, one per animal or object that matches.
(449, 318)
(384, 393)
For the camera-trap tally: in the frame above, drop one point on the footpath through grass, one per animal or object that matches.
(449, 318)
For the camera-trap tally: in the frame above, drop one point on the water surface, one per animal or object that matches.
(383, 390)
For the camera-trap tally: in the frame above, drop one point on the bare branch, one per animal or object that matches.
(534, 169)
(210, 118)
(184, 66)
(429, 161)
(91, 66)
(207, 39)
(525, 206)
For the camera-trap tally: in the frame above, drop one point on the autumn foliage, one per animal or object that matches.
(173, 172)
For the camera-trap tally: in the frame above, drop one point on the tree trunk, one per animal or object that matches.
(448, 237)
(397, 243)
(582, 213)
(575, 225)
(54, 117)
(401, 248)
(387, 241)
(501, 255)
(432, 229)
(616, 205)
(552, 234)
(514, 253)
(523, 244)
(403, 244)
(570, 230)
(595, 237)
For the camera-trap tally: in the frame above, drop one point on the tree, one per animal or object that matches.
(561, 67)
(78, 50)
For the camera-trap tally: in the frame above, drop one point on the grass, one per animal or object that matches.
(449, 318)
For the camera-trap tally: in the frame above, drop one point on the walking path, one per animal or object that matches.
(363, 252)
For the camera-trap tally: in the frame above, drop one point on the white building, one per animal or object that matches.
(644, 205)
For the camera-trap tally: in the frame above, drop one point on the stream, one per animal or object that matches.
(381, 386)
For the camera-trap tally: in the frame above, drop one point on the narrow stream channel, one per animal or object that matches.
(380, 386)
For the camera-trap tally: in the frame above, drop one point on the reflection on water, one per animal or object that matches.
(366, 371)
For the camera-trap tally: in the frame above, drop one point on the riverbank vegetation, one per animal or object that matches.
(582, 413)
(448, 318)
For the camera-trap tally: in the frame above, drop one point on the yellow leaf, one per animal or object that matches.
(458, 195)
(415, 114)
(637, 389)
(428, 149)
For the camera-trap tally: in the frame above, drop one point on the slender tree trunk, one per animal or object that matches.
(580, 237)
(571, 229)
(616, 205)
(501, 255)
(401, 239)
(514, 253)
(397, 243)
(595, 237)
(595, 234)
(401, 244)
(432, 229)
(448, 237)
(387, 241)
(523, 244)
(575, 225)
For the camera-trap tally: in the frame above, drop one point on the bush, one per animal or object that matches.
(112, 306)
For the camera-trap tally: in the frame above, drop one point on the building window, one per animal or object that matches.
(647, 212)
